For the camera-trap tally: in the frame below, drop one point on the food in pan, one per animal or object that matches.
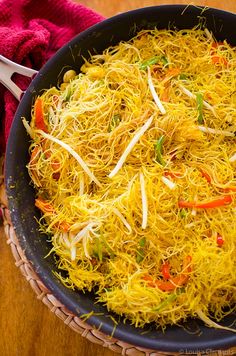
(133, 160)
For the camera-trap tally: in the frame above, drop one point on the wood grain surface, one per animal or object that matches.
(27, 326)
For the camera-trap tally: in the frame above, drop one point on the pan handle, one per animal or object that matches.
(7, 69)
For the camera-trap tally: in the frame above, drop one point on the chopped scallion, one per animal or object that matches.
(171, 298)
(68, 93)
(149, 62)
(183, 76)
(140, 251)
(199, 100)
(107, 247)
(159, 150)
(142, 242)
(99, 248)
(164, 60)
(183, 213)
(115, 120)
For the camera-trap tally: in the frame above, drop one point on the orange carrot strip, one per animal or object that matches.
(172, 72)
(34, 154)
(63, 225)
(44, 206)
(215, 58)
(166, 96)
(172, 174)
(219, 60)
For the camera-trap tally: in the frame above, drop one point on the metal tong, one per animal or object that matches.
(7, 69)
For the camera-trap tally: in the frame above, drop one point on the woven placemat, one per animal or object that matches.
(73, 321)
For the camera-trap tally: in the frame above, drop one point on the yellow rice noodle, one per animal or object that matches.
(135, 176)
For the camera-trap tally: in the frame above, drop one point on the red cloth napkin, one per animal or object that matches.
(31, 31)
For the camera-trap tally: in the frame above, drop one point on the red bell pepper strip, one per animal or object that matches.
(219, 239)
(39, 115)
(222, 201)
(206, 176)
(174, 282)
(165, 270)
(229, 189)
(209, 180)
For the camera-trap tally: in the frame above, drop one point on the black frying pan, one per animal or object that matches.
(21, 194)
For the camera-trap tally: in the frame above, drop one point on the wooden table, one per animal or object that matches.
(27, 327)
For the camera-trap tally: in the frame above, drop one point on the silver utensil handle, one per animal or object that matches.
(7, 69)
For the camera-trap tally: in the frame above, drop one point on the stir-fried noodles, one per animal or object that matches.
(134, 164)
